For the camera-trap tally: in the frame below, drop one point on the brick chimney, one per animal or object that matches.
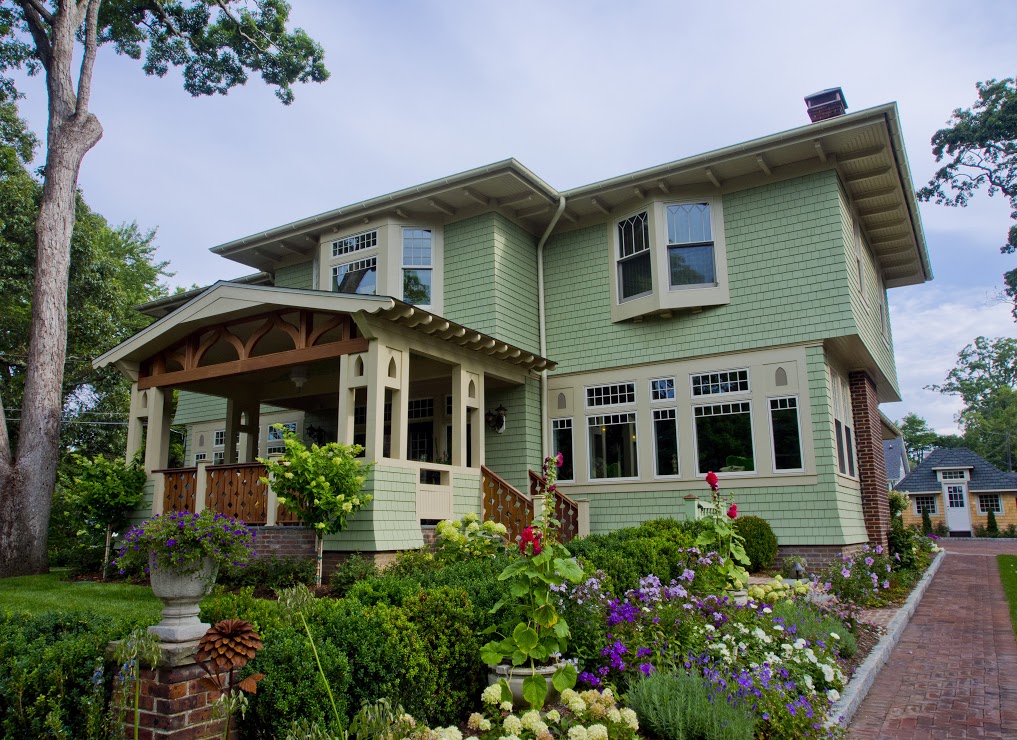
(826, 104)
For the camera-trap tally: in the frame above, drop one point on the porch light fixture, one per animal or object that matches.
(299, 376)
(496, 419)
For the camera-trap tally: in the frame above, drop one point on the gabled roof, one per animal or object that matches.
(896, 459)
(984, 475)
(229, 301)
(867, 149)
(162, 306)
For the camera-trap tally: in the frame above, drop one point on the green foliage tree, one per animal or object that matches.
(216, 43)
(104, 492)
(979, 147)
(985, 378)
(919, 437)
(323, 485)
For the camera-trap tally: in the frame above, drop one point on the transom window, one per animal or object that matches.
(724, 438)
(925, 503)
(712, 384)
(561, 441)
(359, 277)
(634, 272)
(610, 395)
(665, 442)
(662, 389)
(613, 446)
(786, 433)
(990, 502)
(690, 245)
(354, 243)
(417, 266)
(421, 408)
(954, 475)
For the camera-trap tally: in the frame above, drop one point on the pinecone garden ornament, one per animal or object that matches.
(228, 645)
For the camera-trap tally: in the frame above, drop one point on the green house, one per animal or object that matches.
(726, 312)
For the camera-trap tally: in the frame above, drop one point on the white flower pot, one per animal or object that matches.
(515, 675)
(181, 594)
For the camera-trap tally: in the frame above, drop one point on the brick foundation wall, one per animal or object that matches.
(817, 556)
(292, 543)
(176, 705)
(871, 461)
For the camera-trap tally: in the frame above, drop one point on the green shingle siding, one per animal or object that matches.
(295, 276)
(466, 494)
(516, 450)
(786, 276)
(389, 522)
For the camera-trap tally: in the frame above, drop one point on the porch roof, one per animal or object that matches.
(227, 301)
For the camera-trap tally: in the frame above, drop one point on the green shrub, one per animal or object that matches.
(926, 522)
(814, 625)
(269, 574)
(261, 613)
(679, 707)
(383, 590)
(47, 662)
(1010, 531)
(940, 529)
(353, 569)
(898, 503)
(292, 687)
(760, 541)
(991, 526)
(413, 563)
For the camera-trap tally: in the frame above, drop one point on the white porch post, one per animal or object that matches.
(344, 427)
(400, 386)
(250, 431)
(459, 383)
(374, 372)
(478, 430)
(233, 413)
(200, 486)
(157, 442)
(135, 425)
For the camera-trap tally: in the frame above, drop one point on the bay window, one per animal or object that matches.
(690, 245)
(634, 272)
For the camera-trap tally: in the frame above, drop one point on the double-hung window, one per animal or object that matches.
(690, 254)
(924, 503)
(843, 424)
(724, 438)
(561, 442)
(786, 434)
(355, 264)
(417, 266)
(635, 277)
(613, 446)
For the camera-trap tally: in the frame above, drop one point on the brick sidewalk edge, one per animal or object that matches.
(858, 687)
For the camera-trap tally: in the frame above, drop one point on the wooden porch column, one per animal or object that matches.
(375, 375)
(135, 423)
(400, 386)
(478, 425)
(233, 418)
(344, 428)
(459, 383)
(159, 418)
(250, 428)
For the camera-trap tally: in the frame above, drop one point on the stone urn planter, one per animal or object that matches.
(515, 675)
(181, 594)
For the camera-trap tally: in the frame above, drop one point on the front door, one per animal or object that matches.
(958, 517)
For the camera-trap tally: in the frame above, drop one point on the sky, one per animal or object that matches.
(576, 91)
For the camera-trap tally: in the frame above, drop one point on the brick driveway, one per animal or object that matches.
(954, 672)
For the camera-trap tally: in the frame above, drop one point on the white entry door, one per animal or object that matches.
(958, 517)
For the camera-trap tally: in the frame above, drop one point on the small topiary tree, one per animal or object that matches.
(104, 492)
(321, 484)
(926, 522)
(991, 527)
(760, 541)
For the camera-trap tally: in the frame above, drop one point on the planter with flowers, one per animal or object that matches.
(533, 634)
(182, 553)
(720, 535)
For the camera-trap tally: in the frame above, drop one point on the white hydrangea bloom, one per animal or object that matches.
(492, 694)
(530, 720)
(596, 732)
(578, 732)
(629, 717)
(833, 695)
(512, 724)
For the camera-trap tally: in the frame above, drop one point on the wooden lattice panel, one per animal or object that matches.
(237, 491)
(505, 505)
(179, 490)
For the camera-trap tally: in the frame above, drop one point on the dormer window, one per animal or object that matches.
(634, 275)
(690, 245)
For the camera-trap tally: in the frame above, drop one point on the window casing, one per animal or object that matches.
(953, 475)
(417, 266)
(990, 502)
(668, 255)
(612, 446)
(357, 277)
(724, 441)
(843, 425)
(218, 458)
(662, 389)
(199, 456)
(562, 442)
(219, 438)
(785, 435)
(923, 503)
(665, 443)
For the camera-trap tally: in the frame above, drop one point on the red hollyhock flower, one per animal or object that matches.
(530, 536)
(733, 511)
(711, 479)
(559, 460)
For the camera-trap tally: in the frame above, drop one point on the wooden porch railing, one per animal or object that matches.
(503, 504)
(237, 491)
(180, 489)
(566, 510)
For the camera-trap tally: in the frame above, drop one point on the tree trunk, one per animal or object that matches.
(26, 483)
(319, 546)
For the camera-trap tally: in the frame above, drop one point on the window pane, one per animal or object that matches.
(688, 223)
(417, 287)
(840, 447)
(787, 445)
(416, 247)
(562, 442)
(724, 438)
(692, 265)
(633, 235)
(613, 446)
(849, 451)
(634, 276)
(356, 278)
(665, 432)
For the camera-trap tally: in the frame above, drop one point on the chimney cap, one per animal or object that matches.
(824, 104)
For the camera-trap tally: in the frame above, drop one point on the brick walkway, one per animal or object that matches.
(954, 672)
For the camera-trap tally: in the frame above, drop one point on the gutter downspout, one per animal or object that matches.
(545, 445)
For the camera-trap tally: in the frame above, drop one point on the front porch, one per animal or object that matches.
(411, 388)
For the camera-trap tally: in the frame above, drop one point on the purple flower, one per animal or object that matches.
(845, 572)
(170, 542)
(646, 668)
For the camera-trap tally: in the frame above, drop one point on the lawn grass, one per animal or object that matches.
(1008, 574)
(37, 594)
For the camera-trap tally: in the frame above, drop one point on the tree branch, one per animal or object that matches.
(240, 29)
(39, 30)
(42, 10)
(88, 61)
(5, 440)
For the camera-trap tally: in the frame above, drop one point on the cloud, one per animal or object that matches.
(931, 324)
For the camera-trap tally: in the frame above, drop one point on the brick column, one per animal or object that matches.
(871, 463)
(175, 703)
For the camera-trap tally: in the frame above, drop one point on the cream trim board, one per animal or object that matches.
(761, 365)
(662, 295)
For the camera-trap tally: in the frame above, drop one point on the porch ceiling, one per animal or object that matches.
(226, 304)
